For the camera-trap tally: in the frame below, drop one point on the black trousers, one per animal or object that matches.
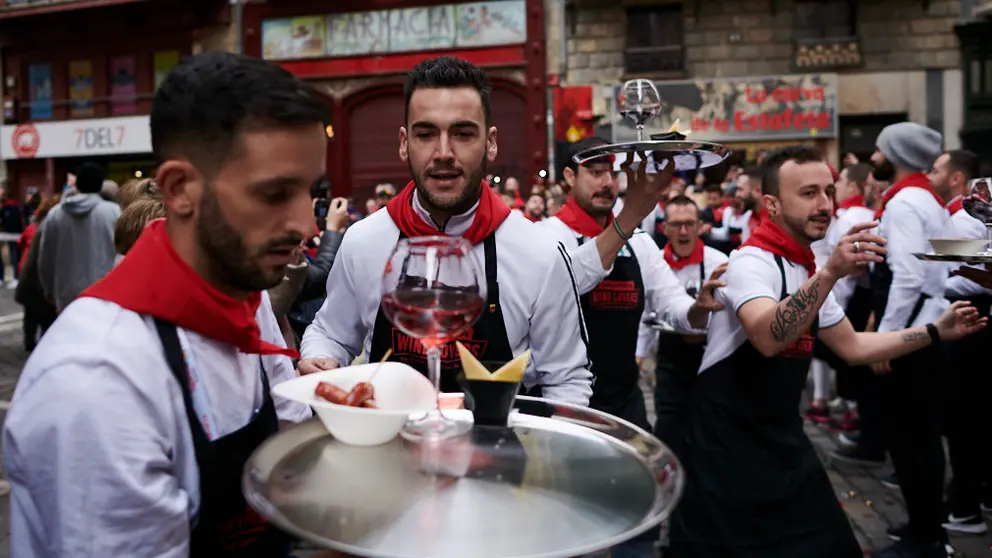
(910, 397)
(35, 323)
(969, 440)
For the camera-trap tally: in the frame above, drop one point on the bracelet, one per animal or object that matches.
(616, 227)
(933, 333)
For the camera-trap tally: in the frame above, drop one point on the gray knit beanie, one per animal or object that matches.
(910, 145)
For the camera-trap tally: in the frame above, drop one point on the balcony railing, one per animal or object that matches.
(654, 60)
(828, 54)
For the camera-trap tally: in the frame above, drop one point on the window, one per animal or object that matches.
(654, 39)
(816, 20)
(40, 93)
(123, 90)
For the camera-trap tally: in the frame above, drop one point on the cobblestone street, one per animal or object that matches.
(872, 507)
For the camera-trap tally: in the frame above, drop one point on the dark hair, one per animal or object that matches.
(858, 174)
(713, 189)
(754, 172)
(580, 146)
(964, 161)
(207, 100)
(447, 72)
(682, 200)
(89, 178)
(532, 194)
(778, 157)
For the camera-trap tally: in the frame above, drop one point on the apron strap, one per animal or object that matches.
(781, 270)
(702, 268)
(492, 285)
(177, 365)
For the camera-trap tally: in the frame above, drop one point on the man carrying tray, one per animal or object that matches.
(627, 275)
(134, 418)
(447, 140)
(755, 484)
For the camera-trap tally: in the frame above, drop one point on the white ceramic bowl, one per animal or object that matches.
(957, 247)
(399, 392)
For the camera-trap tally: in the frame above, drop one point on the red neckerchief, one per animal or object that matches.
(853, 201)
(915, 180)
(579, 221)
(757, 219)
(771, 238)
(531, 218)
(154, 281)
(488, 216)
(676, 263)
(957, 204)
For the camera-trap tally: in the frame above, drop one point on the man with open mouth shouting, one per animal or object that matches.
(448, 139)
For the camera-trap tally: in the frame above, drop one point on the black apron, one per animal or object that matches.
(486, 339)
(756, 487)
(676, 370)
(226, 526)
(613, 312)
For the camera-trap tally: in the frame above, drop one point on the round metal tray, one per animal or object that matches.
(688, 155)
(972, 260)
(562, 482)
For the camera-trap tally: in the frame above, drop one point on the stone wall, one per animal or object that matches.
(750, 37)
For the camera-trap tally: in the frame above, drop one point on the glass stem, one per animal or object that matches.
(434, 369)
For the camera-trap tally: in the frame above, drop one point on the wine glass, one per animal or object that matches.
(639, 102)
(978, 204)
(433, 289)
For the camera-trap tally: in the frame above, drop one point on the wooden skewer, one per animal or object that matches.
(379, 367)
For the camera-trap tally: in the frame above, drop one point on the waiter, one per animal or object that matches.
(447, 140)
(630, 275)
(968, 386)
(910, 292)
(756, 486)
(857, 198)
(679, 355)
(132, 422)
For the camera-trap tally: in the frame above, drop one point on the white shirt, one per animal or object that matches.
(846, 218)
(912, 217)
(540, 306)
(663, 292)
(752, 273)
(688, 276)
(97, 445)
(965, 227)
(731, 220)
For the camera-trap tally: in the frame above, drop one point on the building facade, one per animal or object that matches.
(357, 54)
(756, 73)
(975, 36)
(79, 78)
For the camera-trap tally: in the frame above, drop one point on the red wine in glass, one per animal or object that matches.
(978, 204)
(435, 317)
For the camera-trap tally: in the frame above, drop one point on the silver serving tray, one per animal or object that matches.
(974, 260)
(688, 155)
(564, 481)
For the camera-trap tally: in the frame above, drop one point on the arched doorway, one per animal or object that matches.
(373, 118)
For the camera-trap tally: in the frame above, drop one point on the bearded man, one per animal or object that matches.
(133, 420)
(448, 139)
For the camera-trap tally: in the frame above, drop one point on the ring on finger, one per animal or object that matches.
(857, 247)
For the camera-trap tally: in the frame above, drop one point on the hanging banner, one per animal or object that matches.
(80, 88)
(745, 109)
(40, 76)
(123, 91)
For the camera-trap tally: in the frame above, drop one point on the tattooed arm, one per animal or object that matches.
(772, 326)
(855, 348)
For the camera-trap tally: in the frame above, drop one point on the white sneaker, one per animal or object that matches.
(973, 525)
(12, 284)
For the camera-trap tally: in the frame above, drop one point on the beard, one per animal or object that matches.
(884, 171)
(452, 204)
(232, 262)
(798, 226)
(749, 203)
